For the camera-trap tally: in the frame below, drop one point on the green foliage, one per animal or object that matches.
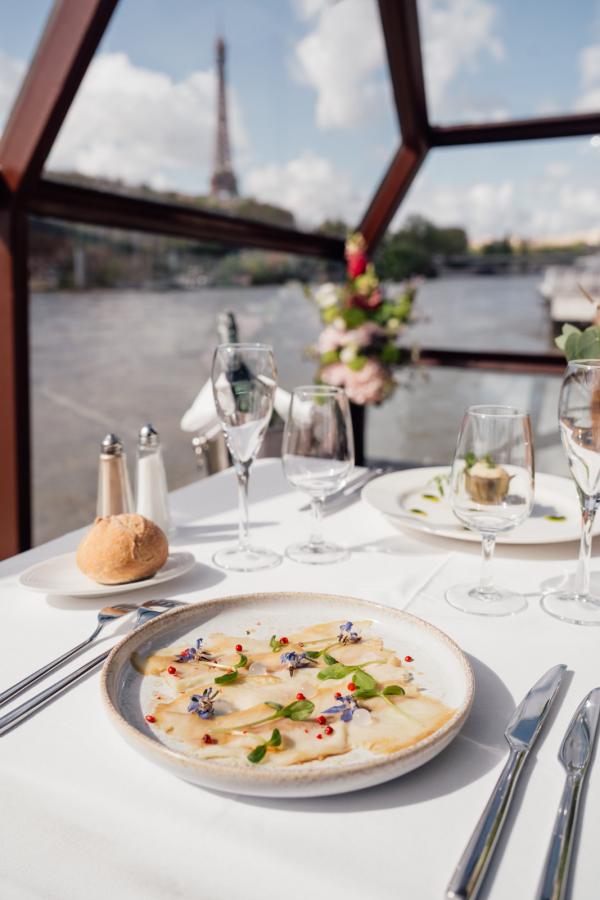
(577, 344)
(411, 250)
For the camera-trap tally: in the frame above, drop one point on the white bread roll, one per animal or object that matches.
(123, 548)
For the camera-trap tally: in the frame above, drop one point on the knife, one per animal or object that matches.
(346, 494)
(575, 755)
(521, 733)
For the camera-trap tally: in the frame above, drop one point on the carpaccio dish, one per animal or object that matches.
(288, 699)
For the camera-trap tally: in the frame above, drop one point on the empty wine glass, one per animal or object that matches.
(318, 455)
(579, 420)
(244, 378)
(491, 491)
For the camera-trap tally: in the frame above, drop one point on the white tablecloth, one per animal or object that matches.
(84, 816)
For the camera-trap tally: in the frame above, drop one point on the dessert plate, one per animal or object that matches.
(60, 575)
(418, 499)
(438, 665)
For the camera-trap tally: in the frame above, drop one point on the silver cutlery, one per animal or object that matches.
(521, 733)
(348, 492)
(575, 754)
(148, 610)
(106, 615)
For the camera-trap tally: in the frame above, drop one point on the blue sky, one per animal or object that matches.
(312, 121)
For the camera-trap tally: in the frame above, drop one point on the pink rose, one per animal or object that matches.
(371, 384)
(331, 338)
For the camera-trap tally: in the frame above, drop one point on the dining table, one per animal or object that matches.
(85, 816)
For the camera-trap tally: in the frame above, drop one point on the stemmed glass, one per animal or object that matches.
(318, 455)
(244, 378)
(579, 420)
(491, 491)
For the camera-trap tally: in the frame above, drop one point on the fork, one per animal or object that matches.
(106, 615)
(10, 720)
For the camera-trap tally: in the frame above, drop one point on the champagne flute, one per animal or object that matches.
(579, 420)
(244, 378)
(318, 455)
(491, 491)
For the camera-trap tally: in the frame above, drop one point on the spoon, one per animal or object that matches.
(106, 615)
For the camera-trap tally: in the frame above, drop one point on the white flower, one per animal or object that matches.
(326, 295)
(348, 354)
(393, 325)
(339, 324)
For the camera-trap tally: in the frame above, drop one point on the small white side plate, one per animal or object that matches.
(60, 575)
(397, 493)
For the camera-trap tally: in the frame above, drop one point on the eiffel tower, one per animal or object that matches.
(223, 184)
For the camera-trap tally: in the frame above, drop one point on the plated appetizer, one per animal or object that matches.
(284, 700)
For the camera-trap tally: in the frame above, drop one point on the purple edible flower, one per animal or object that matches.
(295, 660)
(195, 654)
(347, 635)
(346, 705)
(203, 704)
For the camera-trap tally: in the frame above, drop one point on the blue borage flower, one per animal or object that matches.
(295, 660)
(203, 704)
(195, 654)
(347, 635)
(346, 705)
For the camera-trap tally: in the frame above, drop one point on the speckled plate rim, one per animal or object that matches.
(265, 777)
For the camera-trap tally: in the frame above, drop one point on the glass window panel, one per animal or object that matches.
(489, 60)
(22, 26)
(310, 134)
(400, 432)
(123, 328)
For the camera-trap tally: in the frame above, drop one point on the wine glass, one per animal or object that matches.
(579, 420)
(244, 378)
(318, 455)
(491, 491)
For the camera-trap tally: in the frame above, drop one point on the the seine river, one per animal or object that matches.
(113, 360)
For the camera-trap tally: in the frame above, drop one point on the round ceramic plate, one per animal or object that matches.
(60, 575)
(439, 665)
(413, 498)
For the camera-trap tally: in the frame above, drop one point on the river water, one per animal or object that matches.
(113, 360)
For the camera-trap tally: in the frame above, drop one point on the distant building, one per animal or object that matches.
(223, 184)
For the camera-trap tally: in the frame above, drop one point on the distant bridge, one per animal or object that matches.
(501, 263)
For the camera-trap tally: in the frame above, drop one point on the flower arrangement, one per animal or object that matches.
(357, 349)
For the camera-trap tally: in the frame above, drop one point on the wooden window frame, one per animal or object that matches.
(70, 39)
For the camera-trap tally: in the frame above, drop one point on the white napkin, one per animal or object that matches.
(202, 414)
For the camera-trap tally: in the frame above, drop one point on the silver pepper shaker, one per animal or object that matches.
(114, 489)
(152, 496)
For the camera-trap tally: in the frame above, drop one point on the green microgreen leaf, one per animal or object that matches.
(273, 705)
(363, 680)
(470, 459)
(274, 644)
(312, 654)
(393, 689)
(365, 694)
(330, 660)
(275, 739)
(335, 671)
(297, 711)
(242, 662)
(227, 678)
(258, 754)
(417, 511)
(431, 497)
(555, 518)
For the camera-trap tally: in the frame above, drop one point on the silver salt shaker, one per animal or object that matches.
(152, 496)
(114, 489)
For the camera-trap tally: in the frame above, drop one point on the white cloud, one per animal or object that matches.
(457, 35)
(11, 74)
(141, 125)
(589, 70)
(557, 169)
(310, 186)
(342, 58)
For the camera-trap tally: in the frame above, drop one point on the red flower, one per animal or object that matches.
(356, 263)
(370, 302)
